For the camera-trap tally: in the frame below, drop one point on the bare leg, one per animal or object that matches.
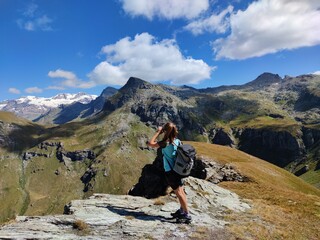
(182, 198)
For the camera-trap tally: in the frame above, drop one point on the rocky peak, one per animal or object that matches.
(135, 83)
(264, 80)
(107, 92)
(130, 92)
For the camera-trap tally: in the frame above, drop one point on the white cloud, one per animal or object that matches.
(316, 73)
(218, 23)
(30, 10)
(269, 26)
(14, 90)
(33, 21)
(56, 88)
(41, 23)
(169, 9)
(150, 60)
(69, 79)
(32, 90)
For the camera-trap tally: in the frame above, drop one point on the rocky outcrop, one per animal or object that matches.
(221, 137)
(5, 131)
(48, 149)
(105, 216)
(61, 154)
(152, 181)
(29, 155)
(219, 173)
(86, 178)
(79, 155)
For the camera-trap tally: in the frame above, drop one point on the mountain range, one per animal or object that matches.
(100, 147)
(32, 107)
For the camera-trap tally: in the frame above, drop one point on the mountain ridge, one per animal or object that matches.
(32, 107)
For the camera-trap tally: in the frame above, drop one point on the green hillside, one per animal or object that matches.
(44, 184)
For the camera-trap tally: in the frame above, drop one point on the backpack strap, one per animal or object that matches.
(180, 143)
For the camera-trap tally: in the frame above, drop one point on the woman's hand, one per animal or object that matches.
(153, 142)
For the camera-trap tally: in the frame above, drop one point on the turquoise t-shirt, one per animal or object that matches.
(169, 153)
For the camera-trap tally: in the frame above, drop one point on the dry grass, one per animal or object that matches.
(283, 205)
(80, 225)
(202, 232)
(159, 202)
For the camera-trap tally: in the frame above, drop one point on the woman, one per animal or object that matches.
(169, 145)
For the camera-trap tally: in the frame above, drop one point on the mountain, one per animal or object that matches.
(106, 152)
(75, 111)
(272, 118)
(31, 107)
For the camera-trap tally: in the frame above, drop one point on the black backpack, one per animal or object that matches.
(184, 161)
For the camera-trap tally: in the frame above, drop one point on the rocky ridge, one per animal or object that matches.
(106, 216)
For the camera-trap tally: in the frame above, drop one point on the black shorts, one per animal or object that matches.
(174, 180)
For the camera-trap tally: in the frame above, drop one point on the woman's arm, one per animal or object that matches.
(153, 142)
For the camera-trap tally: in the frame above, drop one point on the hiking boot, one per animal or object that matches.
(184, 218)
(177, 213)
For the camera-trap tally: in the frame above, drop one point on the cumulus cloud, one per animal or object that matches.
(269, 26)
(316, 73)
(68, 79)
(148, 59)
(218, 23)
(32, 90)
(14, 90)
(33, 21)
(168, 9)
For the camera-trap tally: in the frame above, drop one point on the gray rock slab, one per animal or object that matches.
(107, 216)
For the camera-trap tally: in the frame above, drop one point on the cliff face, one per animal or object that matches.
(279, 148)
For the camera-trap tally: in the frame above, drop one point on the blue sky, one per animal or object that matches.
(53, 46)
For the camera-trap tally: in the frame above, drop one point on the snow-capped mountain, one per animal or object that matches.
(31, 107)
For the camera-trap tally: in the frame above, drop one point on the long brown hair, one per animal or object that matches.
(170, 132)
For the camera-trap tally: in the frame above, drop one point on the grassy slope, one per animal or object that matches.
(13, 197)
(284, 206)
(11, 118)
(118, 164)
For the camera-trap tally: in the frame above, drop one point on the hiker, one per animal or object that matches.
(168, 145)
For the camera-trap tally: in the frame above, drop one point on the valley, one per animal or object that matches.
(45, 166)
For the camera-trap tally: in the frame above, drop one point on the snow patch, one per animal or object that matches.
(56, 101)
